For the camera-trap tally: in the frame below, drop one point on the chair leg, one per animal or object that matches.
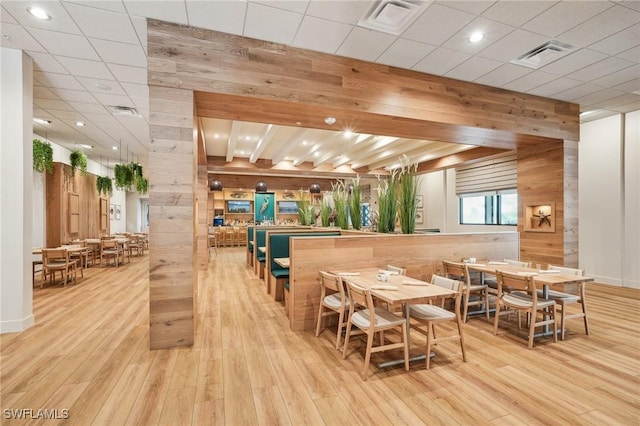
(339, 333)
(460, 333)
(554, 311)
(406, 346)
(496, 318)
(466, 306)
(486, 304)
(563, 319)
(429, 339)
(584, 312)
(346, 340)
(532, 329)
(367, 356)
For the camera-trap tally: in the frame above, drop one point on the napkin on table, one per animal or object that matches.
(384, 287)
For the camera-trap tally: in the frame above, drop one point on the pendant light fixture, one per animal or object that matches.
(261, 186)
(216, 185)
(314, 188)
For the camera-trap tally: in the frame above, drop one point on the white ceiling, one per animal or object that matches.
(92, 55)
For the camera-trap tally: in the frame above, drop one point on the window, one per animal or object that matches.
(493, 208)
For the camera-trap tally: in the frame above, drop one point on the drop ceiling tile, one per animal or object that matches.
(598, 97)
(440, 61)
(60, 19)
(67, 115)
(473, 68)
(632, 4)
(320, 35)
(516, 13)
(104, 24)
(345, 12)
(19, 38)
(503, 75)
(113, 100)
(428, 27)
(46, 63)
(618, 77)
(623, 100)
(112, 5)
(563, 15)
(548, 90)
(5, 16)
(492, 30)
(260, 19)
(132, 89)
(405, 53)
(62, 44)
(53, 104)
(85, 68)
(141, 103)
(44, 93)
(297, 6)
(95, 117)
(619, 42)
(140, 25)
(120, 53)
(573, 62)
(630, 86)
(600, 69)
(75, 96)
(170, 11)
(601, 26)
(630, 107)
(89, 107)
(226, 16)
(632, 54)
(578, 92)
(61, 81)
(129, 74)
(475, 7)
(512, 45)
(529, 81)
(94, 85)
(365, 44)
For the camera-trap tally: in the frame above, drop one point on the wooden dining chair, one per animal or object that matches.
(460, 272)
(397, 269)
(370, 320)
(565, 298)
(522, 297)
(333, 301)
(427, 316)
(57, 260)
(109, 250)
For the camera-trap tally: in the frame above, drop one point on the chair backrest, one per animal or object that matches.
(57, 255)
(106, 237)
(108, 244)
(400, 270)
(332, 282)
(516, 281)
(457, 271)
(567, 271)
(359, 296)
(447, 283)
(517, 263)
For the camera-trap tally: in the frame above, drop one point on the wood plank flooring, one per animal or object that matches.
(89, 354)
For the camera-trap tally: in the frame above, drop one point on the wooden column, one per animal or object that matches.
(571, 258)
(202, 191)
(172, 248)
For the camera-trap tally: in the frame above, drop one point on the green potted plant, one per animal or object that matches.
(78, 160)
(388, 202)
(42, 156)
(104, 185)
(124, 176)
(355, 208)
(142, 185)
(408, 200)
(325, 213)
(340, 200)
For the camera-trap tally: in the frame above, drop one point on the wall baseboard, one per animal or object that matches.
(16, 326)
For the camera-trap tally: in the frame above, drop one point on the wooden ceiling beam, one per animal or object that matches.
(475, 154)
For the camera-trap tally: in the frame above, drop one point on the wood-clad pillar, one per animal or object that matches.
(172, 248)
(571, 225)
(202, 191)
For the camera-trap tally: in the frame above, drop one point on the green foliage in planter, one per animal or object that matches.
(78, 160)
(42, 156)
(325, 213)
(355, 209)
(409, 183)
(137, 170)
(305, 209)
(388, 202)
(104, 185)
(340, 199)
(142, 185)
(124, 176)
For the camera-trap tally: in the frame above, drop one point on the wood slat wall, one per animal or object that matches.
(59, 185)
(172, 245)
(420, 254)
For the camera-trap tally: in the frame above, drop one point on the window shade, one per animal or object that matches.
(490, 175)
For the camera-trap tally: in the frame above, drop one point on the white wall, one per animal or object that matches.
(119, 198)
(608, 199)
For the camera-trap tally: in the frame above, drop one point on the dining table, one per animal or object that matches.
(282, 261)
(395, 290)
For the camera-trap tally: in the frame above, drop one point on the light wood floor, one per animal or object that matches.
(88, 353)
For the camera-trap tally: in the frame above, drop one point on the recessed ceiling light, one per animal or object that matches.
(348, 133)
(38, 13)
(6, 36)
(304, 142)
(216, 136)
(86, 146)
(316, 154)
(330, 120)
(241, 152)
(115, 148)
(103, 86)
(80, 123)
(476, 37)
(42, 121)
(247, 138)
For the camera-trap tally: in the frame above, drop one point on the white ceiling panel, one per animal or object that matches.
(578, 92)
(98, 117)
(441, 61)
(112, 5)
(597, 97)
(16, 37)
(601, 26)
(44, 93)
(320, 35)
(630, 86)
(529, 81)
(365, 44)
(140, 25)
(549, 89)
(475, 7)
(618, 77)
(573, 62)
(114, 100)
(120, 53)
(5, 16)
(405, 53)
(492, 30)
(260, 23)
(60, 19)
(225, 16)
(600, 69)
(140, 90)
(563, 15)
(104, 24)
(170, 11)
(85, 68)
(47, 63)
(61, 81)
(62, 44)
(68, 115)
(76, 96)
(473, 68)
(88, 107)
(619, 42)
(346, 12)
(53, 104)
(516, 13)
(129, 74)
(297, 6)
(623, 100)
(428, 29)
(96, 85)
(513, 45)
(632, 54)
(503, 75)
(630, 107)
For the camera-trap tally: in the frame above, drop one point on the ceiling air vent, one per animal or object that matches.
(123, 110)
(392, 16)
(543, 54)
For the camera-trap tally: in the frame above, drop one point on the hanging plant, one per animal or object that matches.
(142, 185)
(104, 185)
(137, 170)
(124, 176)
(78, 160)
(42, 156)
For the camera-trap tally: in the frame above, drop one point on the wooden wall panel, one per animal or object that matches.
(172, 248)
(421, 254)
(59, 185)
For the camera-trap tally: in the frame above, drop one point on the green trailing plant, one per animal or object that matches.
(142, 185)
(388, 202)
(305, 209)
(325, 213)
(340, 200)
(409, 182)
(137, 170)
(124, 176)
(104, 185)
(355, 207)
(78, 160)
(42, 156)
